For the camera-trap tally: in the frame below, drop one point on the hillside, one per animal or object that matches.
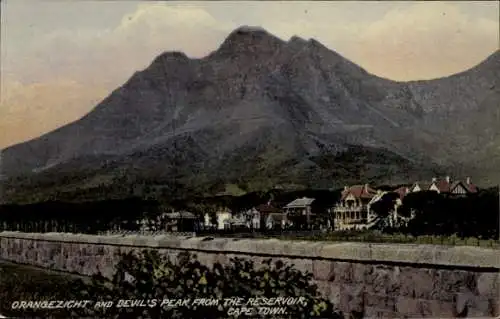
(260, 111)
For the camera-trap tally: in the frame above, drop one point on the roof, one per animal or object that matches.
(469, 187)
(377, 197)
(402, 191)
(472, 188)
(443, 186)
(267, 208)
(359, 191)
(300, 202)
(424, 185)
(179, 215)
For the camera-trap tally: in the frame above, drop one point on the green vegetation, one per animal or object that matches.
(148, 275)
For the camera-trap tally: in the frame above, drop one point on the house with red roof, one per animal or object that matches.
(351, 212)
(448, 186)
(420, 186)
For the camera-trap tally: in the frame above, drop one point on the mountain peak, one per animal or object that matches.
(298, 40)
(250, 39)
(250, 29)
(171, 56)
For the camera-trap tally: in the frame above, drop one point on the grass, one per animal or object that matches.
(19, 282)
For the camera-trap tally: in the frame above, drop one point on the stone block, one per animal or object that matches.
(323, 287)
(484, 307)
(384, 302)
(409, 307)
(351, 298)
(488, 284)
(450, 282)
(378, 313)
(322, 269)
(359, 272)
(335, 293)
(417, 283)
(342, 272)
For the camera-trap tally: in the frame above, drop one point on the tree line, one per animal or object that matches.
(475, 215)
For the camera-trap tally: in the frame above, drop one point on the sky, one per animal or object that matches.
(60, 58)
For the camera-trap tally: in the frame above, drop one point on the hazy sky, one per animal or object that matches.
(60, 58)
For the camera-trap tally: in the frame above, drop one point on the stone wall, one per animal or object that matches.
(380, 280)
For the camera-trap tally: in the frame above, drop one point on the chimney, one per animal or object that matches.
(366, 188)
(434, 179)
(468, 180)
(345, 188)
(448, 179)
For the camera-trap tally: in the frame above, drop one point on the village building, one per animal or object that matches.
(276, 221)
(182, 221)
(420, 186)
(446, 186)
(239, 222)
(222, 219)
(253, 218)
(263, 219)
(351, 212)
(299, 212)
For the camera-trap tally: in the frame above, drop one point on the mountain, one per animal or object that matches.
(260, 111)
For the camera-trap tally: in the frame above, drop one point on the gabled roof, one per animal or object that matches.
(424, 185)
(443, 186)
(359, 191)
(300, 202)
(471, 188)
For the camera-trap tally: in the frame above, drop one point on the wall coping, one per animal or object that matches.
(448, 256)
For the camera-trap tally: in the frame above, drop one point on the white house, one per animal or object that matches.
(223, 219)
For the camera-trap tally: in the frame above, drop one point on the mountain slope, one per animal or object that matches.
(273, 111)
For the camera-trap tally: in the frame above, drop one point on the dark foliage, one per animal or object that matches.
(385, 205)
(475, 215)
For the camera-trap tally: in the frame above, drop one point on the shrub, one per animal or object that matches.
(148, 275)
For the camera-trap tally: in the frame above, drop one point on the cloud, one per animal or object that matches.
(426, 40)
(109, 56)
